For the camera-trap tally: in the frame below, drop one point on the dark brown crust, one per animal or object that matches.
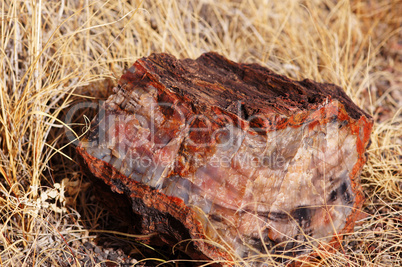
(213, 80)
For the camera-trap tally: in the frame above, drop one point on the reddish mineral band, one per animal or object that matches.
(237, 155)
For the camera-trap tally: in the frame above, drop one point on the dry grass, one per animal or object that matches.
(57, 53)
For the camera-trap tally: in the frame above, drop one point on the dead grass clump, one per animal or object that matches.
(55, 54)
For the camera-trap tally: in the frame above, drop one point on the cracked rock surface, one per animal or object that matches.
(232, 156)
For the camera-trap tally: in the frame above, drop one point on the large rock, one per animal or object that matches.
(234, 157)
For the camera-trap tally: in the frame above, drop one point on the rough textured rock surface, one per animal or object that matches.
(234, 157)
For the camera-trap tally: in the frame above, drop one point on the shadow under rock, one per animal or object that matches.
(108, 216)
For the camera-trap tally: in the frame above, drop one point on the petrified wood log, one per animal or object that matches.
(233, 156)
